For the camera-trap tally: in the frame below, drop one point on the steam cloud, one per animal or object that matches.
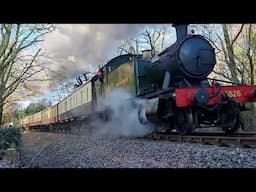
(77, 48)
(124, 121)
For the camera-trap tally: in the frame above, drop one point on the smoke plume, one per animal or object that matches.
(124, 120)
(77, 48)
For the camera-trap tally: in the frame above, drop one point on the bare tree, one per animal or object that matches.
(63, 89)
(19, 53)
(124, 46)
(11, 113)
(239, 52)
(152, 38)
(228, 50)
(226, 37)
(250, 50)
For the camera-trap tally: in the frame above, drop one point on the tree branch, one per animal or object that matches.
(20, 77)
(237, 35)
(223, 75)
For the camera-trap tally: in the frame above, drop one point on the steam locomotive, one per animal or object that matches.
(174, 83)
(186, 98)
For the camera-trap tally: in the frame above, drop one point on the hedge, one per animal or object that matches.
(8, 138)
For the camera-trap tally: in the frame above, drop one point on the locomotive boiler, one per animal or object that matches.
(191, 57)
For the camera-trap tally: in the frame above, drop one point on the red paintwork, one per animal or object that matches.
(241, 94)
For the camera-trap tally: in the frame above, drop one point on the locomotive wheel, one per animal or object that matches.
(184, 121)
(231, 117)
(234, 128)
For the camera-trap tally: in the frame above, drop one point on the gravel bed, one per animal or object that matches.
(4, 164)
(52, 150)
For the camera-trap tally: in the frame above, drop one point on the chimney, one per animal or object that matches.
(181, 31)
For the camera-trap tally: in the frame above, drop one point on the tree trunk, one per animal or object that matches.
(1, 104)
(251, 71)
(250, 57)
(230, 54)
(1, 114)
(162, 43)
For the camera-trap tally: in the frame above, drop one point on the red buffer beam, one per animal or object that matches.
(186, 96)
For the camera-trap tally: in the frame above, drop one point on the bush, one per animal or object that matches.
(8, 137)
(248, 117)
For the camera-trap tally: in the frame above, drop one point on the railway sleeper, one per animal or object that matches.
(247, 143)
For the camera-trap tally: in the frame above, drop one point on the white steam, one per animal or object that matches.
(77, 48)
(124, 119)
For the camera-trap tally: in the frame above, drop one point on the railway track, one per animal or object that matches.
(242, 139)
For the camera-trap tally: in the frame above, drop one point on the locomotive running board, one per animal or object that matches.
(157, 93)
